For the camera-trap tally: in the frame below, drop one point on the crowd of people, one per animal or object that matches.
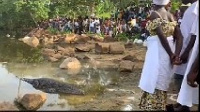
(131, 20)
(173, 49)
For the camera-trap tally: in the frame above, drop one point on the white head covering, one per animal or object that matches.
(161, 2)
(187, 5)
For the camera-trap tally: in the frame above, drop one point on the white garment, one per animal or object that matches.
(186, 30)
(98, 28)
(161, 2)
(157, 70)
(92, 24)
(188, 95)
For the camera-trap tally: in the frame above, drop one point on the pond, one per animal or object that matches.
(18, 61)
(105, 88)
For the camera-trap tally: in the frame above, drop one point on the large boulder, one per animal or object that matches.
(117, 48)
(69, 51)
(126, 66)
(83, 47)
(33, 101)
(70, 38)
(102, 48)
(71, 63)
(31, 41)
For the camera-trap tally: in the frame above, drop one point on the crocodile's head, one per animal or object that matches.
(33, 82)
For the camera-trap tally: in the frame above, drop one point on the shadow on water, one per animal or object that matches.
(23, 62)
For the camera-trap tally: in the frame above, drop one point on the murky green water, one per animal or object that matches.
(16, 61)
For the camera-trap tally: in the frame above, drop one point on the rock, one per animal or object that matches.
(70, 38)
(44, 41)
(85, 36)
(117, 48)
(59, 48)
(82, 57)
(50, 40)
(39, 32)
(102, 48)
(81, 39)
(31, 41)
(69, 51)
(71, 63)
(98, 38)
(48, 52)
(52, 59)
(57, 56)
(129, 45)
(130, 58)
(109, 39)
(126, 66)
(8, 35)
(33, 101)
(139, 41)
(83, 48)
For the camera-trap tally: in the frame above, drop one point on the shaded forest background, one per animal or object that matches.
(19, 16)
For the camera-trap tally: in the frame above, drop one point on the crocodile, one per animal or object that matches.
(53, 86)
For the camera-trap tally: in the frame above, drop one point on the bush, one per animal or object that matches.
(122, 37)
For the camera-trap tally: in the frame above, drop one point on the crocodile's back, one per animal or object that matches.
(53, 86)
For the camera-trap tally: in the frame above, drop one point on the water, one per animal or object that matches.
(16, 61)
(10, 87)
(106, 89)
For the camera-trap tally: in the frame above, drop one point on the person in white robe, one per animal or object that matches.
(157, 70)
(189, 95)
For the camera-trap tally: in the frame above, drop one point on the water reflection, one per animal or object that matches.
(92, 80)
(15, 51)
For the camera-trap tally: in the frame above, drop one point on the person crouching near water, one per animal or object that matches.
(158, 66)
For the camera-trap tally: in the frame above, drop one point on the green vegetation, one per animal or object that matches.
(125, 36)
(20, 16)
(175, 5)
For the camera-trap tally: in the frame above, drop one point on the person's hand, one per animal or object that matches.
(177, 61)
(184, 57)
(191, 77)
(172, 58)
